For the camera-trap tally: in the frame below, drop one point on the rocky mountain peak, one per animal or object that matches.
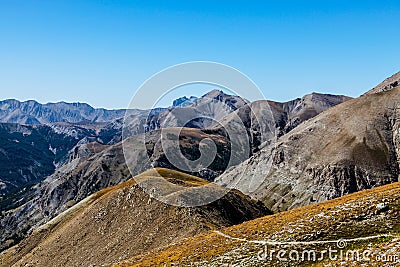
(184, 101)
(232, 101)
(215, 93)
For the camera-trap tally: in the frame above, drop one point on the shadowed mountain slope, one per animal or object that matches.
(28, 153)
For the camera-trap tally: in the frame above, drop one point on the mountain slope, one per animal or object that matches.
(307, 107)
(122, 221)
(353, 220)
(83, 175)
(350, 147)
(265, 120)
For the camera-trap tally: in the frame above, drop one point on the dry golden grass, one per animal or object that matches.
(206, 246)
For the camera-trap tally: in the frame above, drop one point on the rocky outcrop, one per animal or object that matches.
(307, 107)
(388, 84)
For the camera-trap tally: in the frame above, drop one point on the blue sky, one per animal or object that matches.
(100, 52)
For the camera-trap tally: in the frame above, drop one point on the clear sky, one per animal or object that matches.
(100, 52)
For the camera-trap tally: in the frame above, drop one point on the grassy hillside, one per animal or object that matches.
(120, 222)
(368, 219)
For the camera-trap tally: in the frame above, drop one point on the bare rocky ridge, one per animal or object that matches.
(307, 107)
(348, 148)
(122, 221)
(215, 104)
(224, 109)
(388, 84)
(200, 113)
(265, 120)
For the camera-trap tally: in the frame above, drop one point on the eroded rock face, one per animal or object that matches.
(395, 127)
(350, 147)
(265, 120)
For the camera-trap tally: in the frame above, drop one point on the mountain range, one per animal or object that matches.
(32, 112)
(71, 199)
(60, 134)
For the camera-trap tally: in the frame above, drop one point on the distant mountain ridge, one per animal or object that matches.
(184, 101)
(32, 112)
